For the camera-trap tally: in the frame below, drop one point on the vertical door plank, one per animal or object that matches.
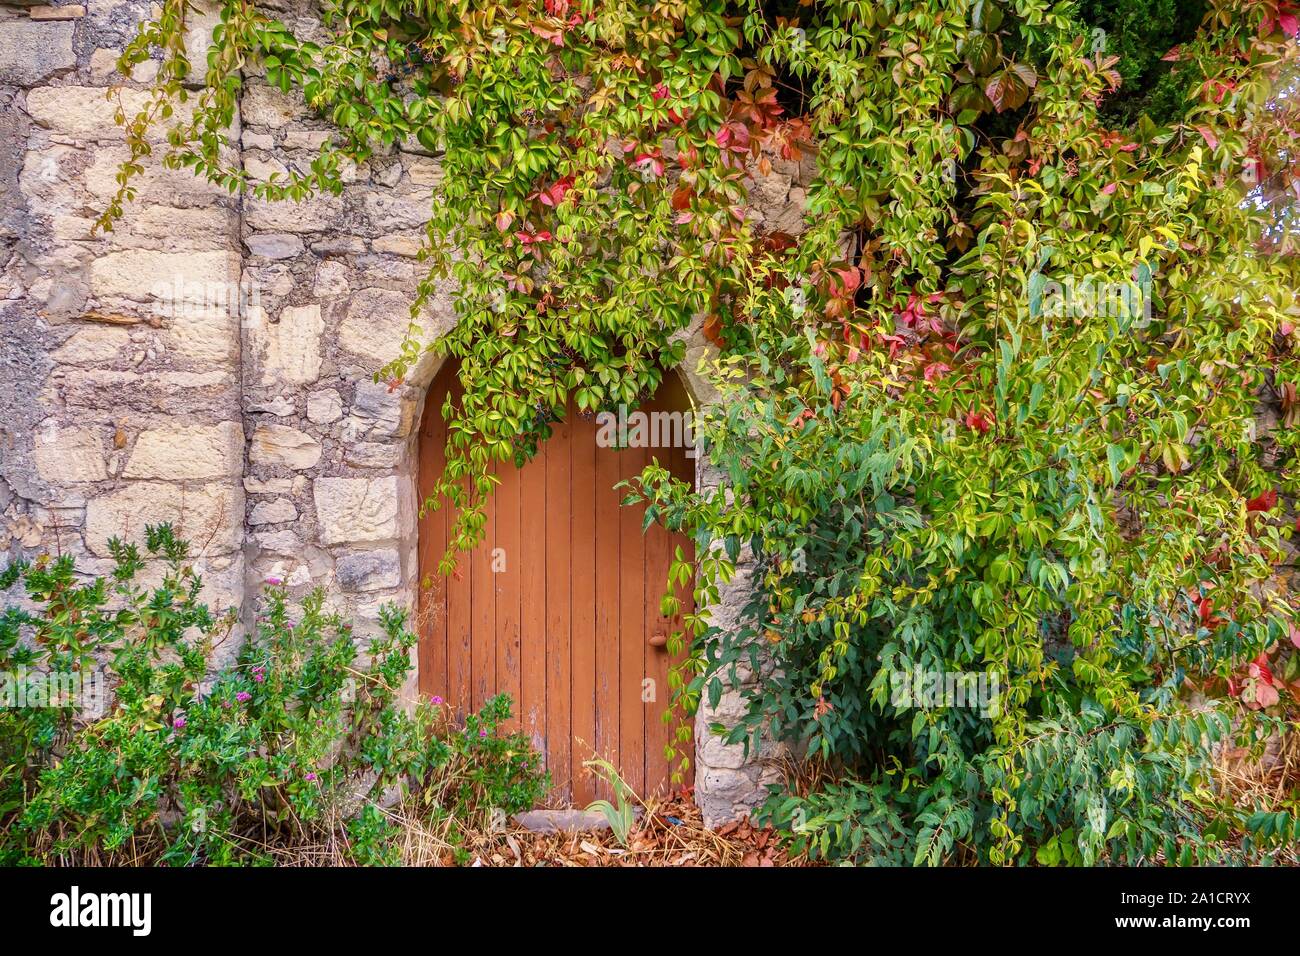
(532, 599)
(483, 644)
(431, 543)
(583, 614)
(684, 469)
(658, 551)
(458, 593)
(559, 574)
(632, 637)
(505, 577)
(607, 600)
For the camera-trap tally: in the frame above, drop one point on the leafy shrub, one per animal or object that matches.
(294, 743)
(882, 549)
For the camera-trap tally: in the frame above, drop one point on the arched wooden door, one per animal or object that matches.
(558, 605)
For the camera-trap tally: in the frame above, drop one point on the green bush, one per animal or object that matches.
(293, 744)
(882, 550)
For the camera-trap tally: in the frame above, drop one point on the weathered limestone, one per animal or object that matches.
(324, 407)
(86, 113)
(209, 515)
(293, 347)
(369, 570)
(93, 345)
(187, 282)
(273, 512)
(188, 451)
(121, 348)
(274, 245)
(68, 454)
(375, 326)
(31, 51)
(210, 362)
(284, 446)
(353, 510)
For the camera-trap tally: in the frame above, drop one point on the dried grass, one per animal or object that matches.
(1271, 783)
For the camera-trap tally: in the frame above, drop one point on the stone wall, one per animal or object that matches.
(121, 355)
(210, 362)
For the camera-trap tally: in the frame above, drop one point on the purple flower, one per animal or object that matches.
(482, 732)
(310, 777)
(437, 701)
(243, 696)
(274, 581)
(259, 674)
(179, 722)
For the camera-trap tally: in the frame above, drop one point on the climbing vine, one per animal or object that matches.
(992, 410)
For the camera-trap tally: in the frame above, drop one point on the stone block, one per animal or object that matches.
(93, 344)
(273, 512)
(86, 112)
(373, 455)
(68, 454)
(204, 280)
(293, 347)
(31, 51)
(155, 186)
(369, 570)
(280, 445)
(211, 337)
(69, 11)
(181, 452)
(388, 212)
(265, 106)
(209, 516)
(274, 245)
(317, 214)
(376, 323)
(353, 510)
(324, 407)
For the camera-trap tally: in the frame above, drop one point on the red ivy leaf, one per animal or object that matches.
(1263, 502)
(977, 421)
(1007, 90)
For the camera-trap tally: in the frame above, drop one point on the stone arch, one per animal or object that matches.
(728, 782)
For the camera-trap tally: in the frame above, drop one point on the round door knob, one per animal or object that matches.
(658, 640)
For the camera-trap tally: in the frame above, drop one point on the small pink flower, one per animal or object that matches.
(274, 581)
(482, 733)
(243, 697)
(310, 777)
(179, 722)
(437, 701)
(225, 705)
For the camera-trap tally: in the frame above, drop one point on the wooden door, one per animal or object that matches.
(558, 605)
